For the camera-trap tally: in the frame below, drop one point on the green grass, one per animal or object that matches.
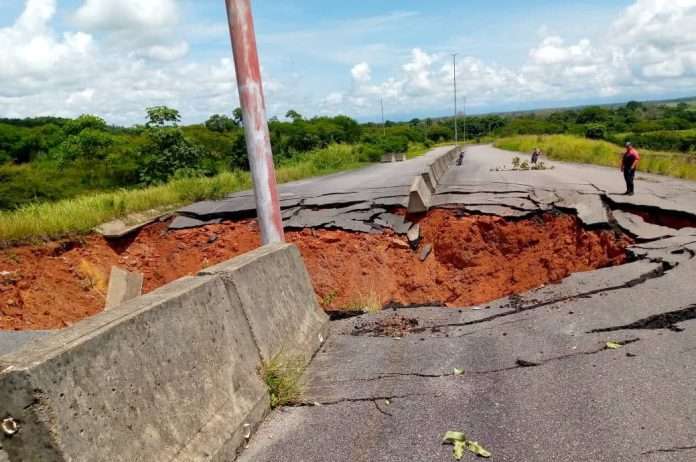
(282, 377)
(581, 150)
(51, 220)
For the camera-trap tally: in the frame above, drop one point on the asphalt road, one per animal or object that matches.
(539, 383)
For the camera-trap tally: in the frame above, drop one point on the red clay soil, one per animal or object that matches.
(475, 259)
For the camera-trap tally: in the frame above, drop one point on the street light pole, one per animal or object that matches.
(258, 141)
(454, 82)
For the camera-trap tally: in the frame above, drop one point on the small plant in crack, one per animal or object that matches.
(328, 299)
(516, 161)
(367, 302)
(282, 376)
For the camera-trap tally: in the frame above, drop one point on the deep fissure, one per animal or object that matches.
(474, 259)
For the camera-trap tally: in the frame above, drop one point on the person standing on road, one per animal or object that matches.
(629, 164)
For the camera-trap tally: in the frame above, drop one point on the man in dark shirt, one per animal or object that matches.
(629, 163)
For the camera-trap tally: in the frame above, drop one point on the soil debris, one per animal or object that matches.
(392, 326)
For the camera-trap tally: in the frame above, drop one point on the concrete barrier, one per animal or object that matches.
(394, 157)
(389, 157)
(425, 184)
(276, 293)
(169, 376)
(420, 196)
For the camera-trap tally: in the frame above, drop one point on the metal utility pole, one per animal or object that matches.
(258, 141)
(384, 127)
(454, 81)
(464, 140)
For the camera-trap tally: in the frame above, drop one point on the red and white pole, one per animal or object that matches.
(258, 141)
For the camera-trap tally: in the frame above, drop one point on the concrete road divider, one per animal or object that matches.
(425, 184)
(168, 376)
(394, 157)
(420, 196)
(276, 294)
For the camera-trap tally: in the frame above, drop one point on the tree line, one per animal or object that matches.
(50, 158)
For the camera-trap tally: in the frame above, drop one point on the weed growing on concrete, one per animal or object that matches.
(282, 376)
(368, 302)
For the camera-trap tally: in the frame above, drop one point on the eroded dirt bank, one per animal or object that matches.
(474, 259)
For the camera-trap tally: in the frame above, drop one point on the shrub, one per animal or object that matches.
(596, 131)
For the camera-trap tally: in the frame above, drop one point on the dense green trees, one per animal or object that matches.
(50, 158)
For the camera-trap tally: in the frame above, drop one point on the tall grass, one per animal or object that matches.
(581, 150)
(81, 214)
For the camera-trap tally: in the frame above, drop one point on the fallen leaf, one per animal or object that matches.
(477, 449)
(458, 371)
(461, 444)
(458, 451)
(387, 402)
(614, 345)
(451, 437)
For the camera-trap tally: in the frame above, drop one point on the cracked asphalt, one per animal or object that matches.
(539, 382)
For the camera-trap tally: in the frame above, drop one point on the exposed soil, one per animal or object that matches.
(475, 259)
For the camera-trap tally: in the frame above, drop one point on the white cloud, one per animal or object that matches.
(127, 14)
(30, 50)
(44, 73)
(118, 57)
(361, 72)
(651, 47)
(168, 53)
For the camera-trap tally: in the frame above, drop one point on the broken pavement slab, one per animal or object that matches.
(639, 228)
(123, 286)
(414, 236)
(398, 223)
(425, 252)
(185, 222)
(589, 208)
(124, 226)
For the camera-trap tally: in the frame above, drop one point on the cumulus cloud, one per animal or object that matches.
(44, 73)
(29, 50)
(119, 56)
(361, 72)
(650, 47)
(127, 14)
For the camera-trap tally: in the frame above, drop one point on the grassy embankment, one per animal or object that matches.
(581, 150)
(79, 215)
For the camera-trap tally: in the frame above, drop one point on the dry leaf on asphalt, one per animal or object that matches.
(461, 443)
(614, 345)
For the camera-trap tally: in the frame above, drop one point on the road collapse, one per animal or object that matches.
(451, 257)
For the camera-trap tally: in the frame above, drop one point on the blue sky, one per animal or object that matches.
(115, 57)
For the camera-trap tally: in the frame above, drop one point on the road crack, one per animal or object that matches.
(520, 363)
(371, 399)
(668, 450)
(515, 301)
(667, 321)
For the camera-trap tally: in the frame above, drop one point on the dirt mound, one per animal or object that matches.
(475, 259)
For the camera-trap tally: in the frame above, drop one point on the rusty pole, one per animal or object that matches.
(258, 141)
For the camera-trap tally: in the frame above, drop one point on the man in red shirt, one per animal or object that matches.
(629, 164)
